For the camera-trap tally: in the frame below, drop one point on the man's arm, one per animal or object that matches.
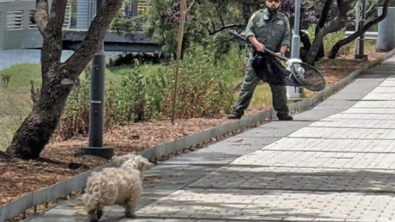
(250, 34)
(283, 49)
(285, 43)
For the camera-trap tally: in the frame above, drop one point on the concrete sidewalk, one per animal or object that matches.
(335, 162)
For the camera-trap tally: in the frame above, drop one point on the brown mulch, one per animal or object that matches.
(59, 163)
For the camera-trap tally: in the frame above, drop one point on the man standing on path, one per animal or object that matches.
(266, 28)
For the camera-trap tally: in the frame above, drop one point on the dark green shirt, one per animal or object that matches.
(273, 32)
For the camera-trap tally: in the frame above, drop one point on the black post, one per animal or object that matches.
(361, 54)
(98, 67)
(97, 99)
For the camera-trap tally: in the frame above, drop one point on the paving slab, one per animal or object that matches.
(335, 162)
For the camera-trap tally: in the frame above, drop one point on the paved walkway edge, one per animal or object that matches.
(66, 187)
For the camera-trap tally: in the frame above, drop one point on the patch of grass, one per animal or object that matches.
(21, 75)
(14, 107)
(262, 96)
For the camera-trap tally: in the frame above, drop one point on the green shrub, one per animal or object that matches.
(75, 118)
(144, 92)
(204, 89)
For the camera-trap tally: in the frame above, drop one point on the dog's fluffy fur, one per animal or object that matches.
(121, 185)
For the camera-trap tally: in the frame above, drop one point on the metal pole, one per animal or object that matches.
(295, 50)
(97, 94)
(98, 67)
(293, 92)
(357, 16)
(361, 54)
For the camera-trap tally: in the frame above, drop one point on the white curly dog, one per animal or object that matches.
(121, 186)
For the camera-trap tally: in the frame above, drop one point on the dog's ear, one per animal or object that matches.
(143, 163)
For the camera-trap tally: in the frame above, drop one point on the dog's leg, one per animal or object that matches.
(130, 207)
(99, 211)
(92, 216)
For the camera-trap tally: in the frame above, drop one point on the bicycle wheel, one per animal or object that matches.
(308, 76)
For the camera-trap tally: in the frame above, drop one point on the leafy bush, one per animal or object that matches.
(75, 119)
(205, 89)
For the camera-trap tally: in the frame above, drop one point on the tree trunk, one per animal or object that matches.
(320, 24)
(335, 49)
(57, 78)
(305, 40)
(36, 130)
(5, 156)
(335, 25)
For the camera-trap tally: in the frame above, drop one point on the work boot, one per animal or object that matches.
(284, 117)
(234, 116)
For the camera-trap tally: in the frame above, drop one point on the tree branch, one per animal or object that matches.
(335, 49)
(320, 24)
(52, 37)
(94, 36)
(312, 5)
(192, 4)
(335, 25)
(220, 16)
(371, 8)
(40, 16)
(215, 31)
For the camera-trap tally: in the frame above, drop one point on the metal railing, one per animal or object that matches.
(368, 35)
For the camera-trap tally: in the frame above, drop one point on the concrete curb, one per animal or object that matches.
(66, 187)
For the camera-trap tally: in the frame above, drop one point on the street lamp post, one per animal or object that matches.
(293, 92)
(98, 66)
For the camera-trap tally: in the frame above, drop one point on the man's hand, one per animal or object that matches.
(280, 54)
(260, 47)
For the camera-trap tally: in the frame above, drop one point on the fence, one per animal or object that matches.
(367, 35)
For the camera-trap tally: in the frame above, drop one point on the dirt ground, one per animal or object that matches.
(59, 163)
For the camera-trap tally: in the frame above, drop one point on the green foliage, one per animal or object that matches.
(204, 22)
(203, 89)
(138, 96)
(121, 23)
(161, 28)
(15, 103)
(207, 21)
(144, 92)
(75, 119)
